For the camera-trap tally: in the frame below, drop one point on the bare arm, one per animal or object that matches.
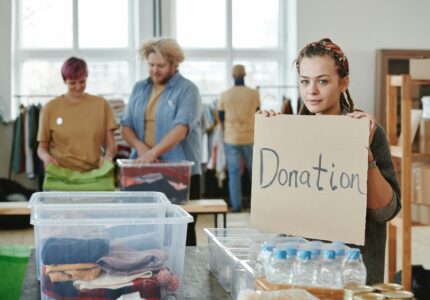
(131, 138)
(44, 155)
(110, 147)
(174, 137)
(379, 190)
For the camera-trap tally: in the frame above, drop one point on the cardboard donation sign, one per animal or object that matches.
(309, 176)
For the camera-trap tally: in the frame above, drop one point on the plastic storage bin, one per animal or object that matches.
(113, 247)
(13, 263)
(172, 179)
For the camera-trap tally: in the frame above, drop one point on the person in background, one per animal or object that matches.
(75, 127)
(162, 118)
(236, 110)
(324, 79)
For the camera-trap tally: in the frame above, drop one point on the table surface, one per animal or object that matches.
(192, 206)
(197, 282)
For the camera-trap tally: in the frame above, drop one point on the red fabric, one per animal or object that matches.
(180, 174)
(148, 289)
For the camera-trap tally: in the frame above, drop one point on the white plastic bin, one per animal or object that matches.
(171, 178)
(125, 234)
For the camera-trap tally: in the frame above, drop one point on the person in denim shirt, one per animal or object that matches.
(162, 118)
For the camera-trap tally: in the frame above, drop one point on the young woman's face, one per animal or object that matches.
(77, 87)
(160, 70)
(320, 85)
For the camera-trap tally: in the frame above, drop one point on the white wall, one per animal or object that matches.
(5, 56)
(362, 27)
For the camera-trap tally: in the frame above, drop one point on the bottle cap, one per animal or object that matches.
(340, 251)
(354, 253)
(281, 254)
(304, 254)
(291, 252)
(329, 254)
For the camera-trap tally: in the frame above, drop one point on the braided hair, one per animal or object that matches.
(327, 47)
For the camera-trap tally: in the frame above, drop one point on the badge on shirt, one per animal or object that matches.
(59, 121)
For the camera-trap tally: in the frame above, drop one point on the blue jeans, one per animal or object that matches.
(234, 155)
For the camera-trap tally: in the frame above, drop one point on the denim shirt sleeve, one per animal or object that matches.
(189, 110)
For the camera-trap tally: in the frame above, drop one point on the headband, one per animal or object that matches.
(333, 48)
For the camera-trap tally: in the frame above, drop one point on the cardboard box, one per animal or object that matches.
(421, 183)
(419, 68)
(424, 214)
(423, 136)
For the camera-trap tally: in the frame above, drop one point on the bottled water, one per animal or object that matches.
(291, 261)
(305, 270)
(278, 268)
(330, 274)
(339, 249)
(263, 259)
(354, 270)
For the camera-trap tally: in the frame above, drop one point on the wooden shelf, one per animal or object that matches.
(399, 86)
(422, 204)
(397, 151)
(398, 222)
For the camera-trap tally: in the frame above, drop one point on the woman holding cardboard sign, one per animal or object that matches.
(324, 79)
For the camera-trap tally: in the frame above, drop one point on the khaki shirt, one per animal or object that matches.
(239, 104)
(76, 132)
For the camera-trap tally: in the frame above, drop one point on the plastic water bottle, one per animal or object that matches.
(306, 270)
(339, 249)
(354, 270)
(263, 259)
(291, 261)
(330, 274)
(278, 268)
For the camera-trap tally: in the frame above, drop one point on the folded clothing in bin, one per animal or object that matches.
(62, 179)
(57, 251)
(172, 179)
(125, 261)
(174, 190)
(147, 287)
(90, 269)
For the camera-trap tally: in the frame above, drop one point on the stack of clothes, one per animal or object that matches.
(173, 182)
(91, 269)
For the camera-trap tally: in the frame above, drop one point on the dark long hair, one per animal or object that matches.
(327, 47)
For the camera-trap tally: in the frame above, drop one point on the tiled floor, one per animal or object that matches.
(420, 236)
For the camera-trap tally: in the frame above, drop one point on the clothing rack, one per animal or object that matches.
(288, 86)
(283, 93)
(53, 96)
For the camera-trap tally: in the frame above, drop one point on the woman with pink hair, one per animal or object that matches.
(76, 128)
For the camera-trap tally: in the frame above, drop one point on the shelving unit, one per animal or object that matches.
(392, 62)
(401, 85)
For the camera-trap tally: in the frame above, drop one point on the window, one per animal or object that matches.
(225, 32)
(50, 31)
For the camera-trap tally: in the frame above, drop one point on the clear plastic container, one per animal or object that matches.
(171, 178)
(126, 222)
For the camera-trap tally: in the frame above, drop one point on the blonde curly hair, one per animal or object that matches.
(167, 48)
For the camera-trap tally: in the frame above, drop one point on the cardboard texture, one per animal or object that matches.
(424, 136)
(415, 123)
(421, 183)
(419, 69)
(310, 176)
